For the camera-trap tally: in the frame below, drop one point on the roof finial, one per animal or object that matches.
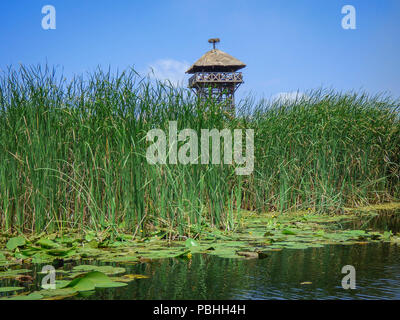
(214, 41)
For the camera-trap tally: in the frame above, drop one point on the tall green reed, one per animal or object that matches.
(72, 154)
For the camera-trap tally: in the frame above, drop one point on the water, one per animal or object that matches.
(386, 220)
(279, 276)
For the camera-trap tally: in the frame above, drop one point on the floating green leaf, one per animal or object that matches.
(59, 293)
(47, 243)
(9, 289)
(288, 231)
(15, 242)
(109, 270)
(12, 273)
(191, 243)
(32, 296)
(92, 280)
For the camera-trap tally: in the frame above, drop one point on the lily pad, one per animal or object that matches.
(15, 242)
(63, 292)
(92, 280)
(191, 243)
(12, 273)
(109, 270)
(47, 243)
(124, 259)
(8, 289)
(111, 284)
(130, 277)
(31, 296)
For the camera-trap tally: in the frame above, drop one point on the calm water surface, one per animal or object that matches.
(279, 276)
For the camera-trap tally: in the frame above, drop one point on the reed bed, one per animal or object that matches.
(72, 154)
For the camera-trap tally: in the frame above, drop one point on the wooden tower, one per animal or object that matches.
(215, 76)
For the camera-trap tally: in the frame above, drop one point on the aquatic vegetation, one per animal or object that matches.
(76, 186)
(85, 282)
(9, 289)
(13, 273)
(108, 270)
(255, 238)
(255, 233)
(15, 242)
(72, 156)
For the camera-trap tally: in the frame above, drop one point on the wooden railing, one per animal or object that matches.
(212, 77)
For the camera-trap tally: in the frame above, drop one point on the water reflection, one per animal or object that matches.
(386, 220)
(279, 276)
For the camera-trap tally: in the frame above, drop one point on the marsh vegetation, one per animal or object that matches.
(76, 187)
(72, 155)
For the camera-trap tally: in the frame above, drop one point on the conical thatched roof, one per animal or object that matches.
(216, 60)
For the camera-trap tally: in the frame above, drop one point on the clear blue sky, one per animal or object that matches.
(288, 45)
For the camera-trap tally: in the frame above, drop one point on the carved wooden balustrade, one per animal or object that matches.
(204, 78)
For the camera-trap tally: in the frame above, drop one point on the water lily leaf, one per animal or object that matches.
(355, 234)
(29, 251)
(288, 231)
(82, 284)
(15, 242)
(9, 289)
(163, 253)
(41, 257)
(12, 273)
(124, 259)
(92, 280)
(20, 255)
(84, 267)
(225, 252)
(60, 284)
(319, 233)
(89, 252)
(111, 284)
(269, 249)
(32, 296)
(191, 243)
(387, 235)
(66, 240)
(90, 236)
(47, 243)
(109, 270)
(60, 292)
(59, 251)
(93, 244)
(117, 244)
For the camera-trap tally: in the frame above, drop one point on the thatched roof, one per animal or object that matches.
(216, 60)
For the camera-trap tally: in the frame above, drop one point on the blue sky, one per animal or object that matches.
(288, 45)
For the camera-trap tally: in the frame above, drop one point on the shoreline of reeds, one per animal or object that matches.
(72, 154)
